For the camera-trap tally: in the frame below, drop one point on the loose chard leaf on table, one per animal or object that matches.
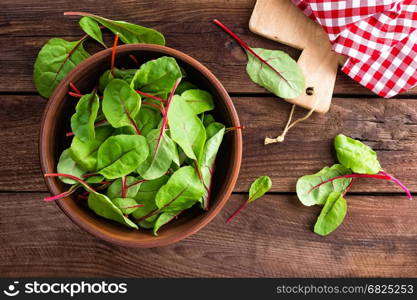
(103, 206)
(309, 196)
(120, 104)
(157, 76)
(186, 128)
(332, 214)
(85, 153)
(288, 85)
(121, 154)
(161, 156)
(259, 187)
(55, 60)
(215, 132)
(82, 122)
(129, 33)
(91, 28)
(356, 156)
(182, 191)
(198, 100)
(67, 165)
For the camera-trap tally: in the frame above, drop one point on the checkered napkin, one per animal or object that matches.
(379, 38)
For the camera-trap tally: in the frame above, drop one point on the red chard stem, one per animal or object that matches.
(79, 180)
(236, 212)
(113, 53)
(74, 88)
(397, 181)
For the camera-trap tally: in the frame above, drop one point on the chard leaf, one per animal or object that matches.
(182, 191)
(198, 100)
(186, 128)
(309, 196)
(103, 207)
(55, 60)
(215, 132)
(356, 156)
(91, 28)
(290, 87)
(129, 33)
(85, 153)
(208, 119)
(115, 189)
(163, 219)
(82, 121)
(120, 103)
(157, 76)
(147, 120)
(146, 196)
(332, 214)
(184, 86)
(125, 75)
(161, 156)
(259, 187)
(121, 154)
(125, 204)
(69, 166)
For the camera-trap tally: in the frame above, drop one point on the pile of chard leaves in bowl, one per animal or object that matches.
(143, 145)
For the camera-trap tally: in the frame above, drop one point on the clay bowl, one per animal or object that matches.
(56, 122)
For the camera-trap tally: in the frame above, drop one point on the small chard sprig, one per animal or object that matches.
(329, 186)
(257, 189)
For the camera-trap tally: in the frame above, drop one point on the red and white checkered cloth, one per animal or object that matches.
(379, 38)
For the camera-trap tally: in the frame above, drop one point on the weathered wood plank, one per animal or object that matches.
(389, 126)
(25, 26)
(272, 238)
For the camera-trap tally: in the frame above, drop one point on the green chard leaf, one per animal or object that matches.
(163, 219)
(126, 205)
(208, 119)
(182, 191)
(147, 120)
(115, 189)
(91, 28)
(82, 121)
(55, 60)
(146, 196)
(105, 208)
(121, 154)
(186, 128)
(356, 156)
(215, 132)
(290, 87)
(129, 33)
(259, 187)
(123, 74)
(157, 76)
(332, 214)
(85, 153)
(69, 166)
(120, 104)
(198, 100)
(309, 196)
(161, 156)
(184, 86)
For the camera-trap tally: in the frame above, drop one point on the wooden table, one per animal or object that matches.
(273, 237)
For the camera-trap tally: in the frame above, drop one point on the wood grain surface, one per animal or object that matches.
(273, 237)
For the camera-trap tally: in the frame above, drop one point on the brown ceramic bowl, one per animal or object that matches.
(56, 122)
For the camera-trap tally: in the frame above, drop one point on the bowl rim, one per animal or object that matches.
(53, 188)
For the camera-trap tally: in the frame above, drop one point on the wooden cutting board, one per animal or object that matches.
(282, 21)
